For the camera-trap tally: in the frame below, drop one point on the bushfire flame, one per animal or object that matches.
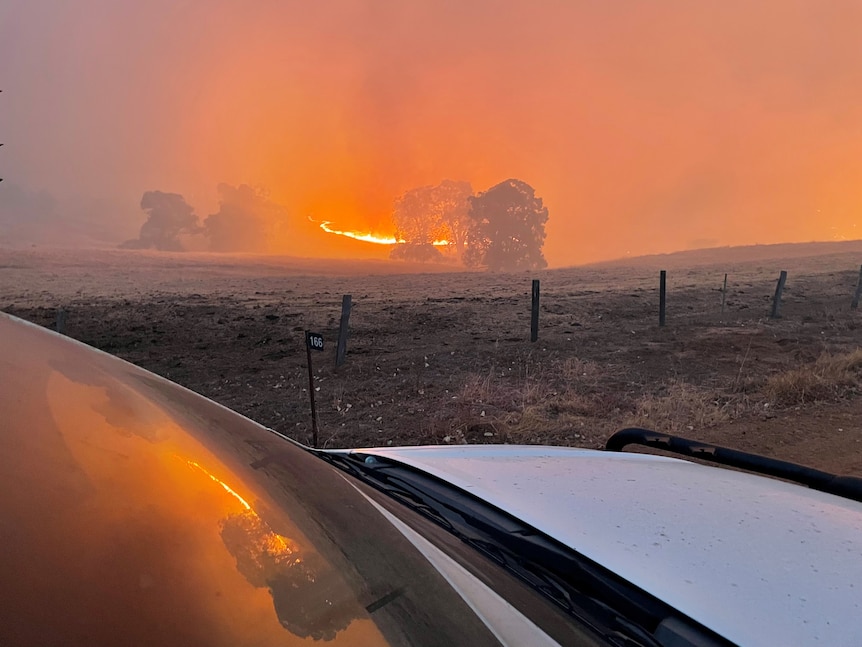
(368, 238)
(371, 238)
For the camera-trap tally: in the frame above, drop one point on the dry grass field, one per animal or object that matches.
(439, 356)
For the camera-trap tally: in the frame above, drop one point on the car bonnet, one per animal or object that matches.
(759, 561)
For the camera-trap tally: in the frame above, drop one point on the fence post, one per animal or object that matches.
(776, 301)
(855, 303)
(61, 321)
(341, 348)
(662, 296)
(534, 315)
(724, 293)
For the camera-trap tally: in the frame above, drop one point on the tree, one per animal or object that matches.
(431, 214)
(507, 228)
(415, 221)
(452, 201)
(168, 216)
(247, 220)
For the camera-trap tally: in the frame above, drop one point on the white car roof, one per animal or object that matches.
(758, 560)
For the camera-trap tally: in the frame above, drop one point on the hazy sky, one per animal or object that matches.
(646, 126)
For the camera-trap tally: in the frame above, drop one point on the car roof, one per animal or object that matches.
(758, 560)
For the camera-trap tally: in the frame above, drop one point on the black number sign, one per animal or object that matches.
(314, 340)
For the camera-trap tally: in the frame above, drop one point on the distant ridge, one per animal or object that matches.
(739, 254)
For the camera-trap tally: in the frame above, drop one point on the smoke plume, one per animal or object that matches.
(247, 220)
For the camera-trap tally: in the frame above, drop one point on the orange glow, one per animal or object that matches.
(163, 518)
(646, 128)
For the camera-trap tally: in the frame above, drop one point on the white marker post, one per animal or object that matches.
(313, 341)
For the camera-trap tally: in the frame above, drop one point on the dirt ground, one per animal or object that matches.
(440, 356)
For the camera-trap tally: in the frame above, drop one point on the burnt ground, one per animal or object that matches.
(445, 356)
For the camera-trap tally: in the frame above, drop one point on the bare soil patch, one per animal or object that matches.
(444, 357)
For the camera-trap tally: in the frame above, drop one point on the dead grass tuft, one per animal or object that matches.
(535, 426)
(577, 401)
(501, 392)
(829, 378)
(574, 370)
(682, 407)
(564, 404)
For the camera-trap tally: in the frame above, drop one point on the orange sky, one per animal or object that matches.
(645, 126)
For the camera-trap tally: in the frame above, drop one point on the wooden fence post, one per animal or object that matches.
(776, 301)
(855, 303)
(341, 348)
(534, 315)
(724, 293)
(662, 296)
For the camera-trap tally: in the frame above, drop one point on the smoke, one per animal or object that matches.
(32, 218)
(644, 126)
(247, 220)
(25, 215)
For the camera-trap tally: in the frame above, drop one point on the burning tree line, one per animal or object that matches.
(502, 228)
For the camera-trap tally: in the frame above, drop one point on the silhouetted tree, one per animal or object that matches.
(247, 220)
(507, 228)
(168, 216)
(431, 213)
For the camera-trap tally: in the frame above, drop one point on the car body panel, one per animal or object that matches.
(133, 511)
(759, 561)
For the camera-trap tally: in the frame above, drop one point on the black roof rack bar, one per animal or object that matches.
(849, 487)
